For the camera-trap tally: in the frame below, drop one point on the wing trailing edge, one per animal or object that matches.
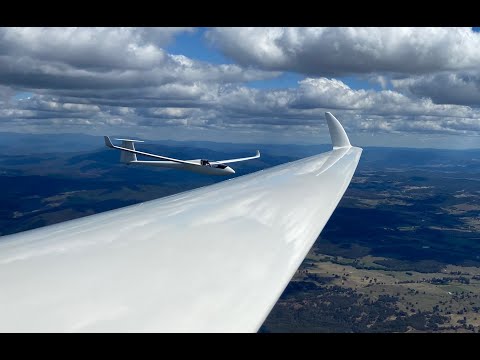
(229, 161)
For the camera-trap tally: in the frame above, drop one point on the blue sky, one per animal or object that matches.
(193, 45)
(389, 86)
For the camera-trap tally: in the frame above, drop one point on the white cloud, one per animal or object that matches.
(444, 88)
(105, 58)
(214, 106)
(331, 93)
(95, 48)
(122, 79)
(338, 51)
(6, 93)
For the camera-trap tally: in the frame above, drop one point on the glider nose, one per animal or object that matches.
(230, 170)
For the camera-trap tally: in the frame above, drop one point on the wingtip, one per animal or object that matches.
(108, 142)
(337, 132)
(258, 153)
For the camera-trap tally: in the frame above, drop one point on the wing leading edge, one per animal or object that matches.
(213, 259)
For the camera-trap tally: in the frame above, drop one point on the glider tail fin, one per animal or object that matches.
(125, 156)
(337, 132)
(108, 142)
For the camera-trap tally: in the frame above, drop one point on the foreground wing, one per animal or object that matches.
(214, 259)
(109, 144)
(257, 155)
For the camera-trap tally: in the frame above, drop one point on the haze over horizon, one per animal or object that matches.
(396, 87)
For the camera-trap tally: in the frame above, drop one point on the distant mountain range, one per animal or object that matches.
(27, 144)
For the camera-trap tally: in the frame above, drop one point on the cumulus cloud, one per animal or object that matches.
(89, 48)
(340, 51)
(124, 79)
(239, 107)
(111, 58)
(444, 88)
(360, 110)
(6, 93)
(331, 93)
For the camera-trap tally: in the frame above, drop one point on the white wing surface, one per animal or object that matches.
(214, 259)
(257, 155)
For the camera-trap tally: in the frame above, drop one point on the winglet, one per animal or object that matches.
(337, 132)
(108, 142)
(258, 153)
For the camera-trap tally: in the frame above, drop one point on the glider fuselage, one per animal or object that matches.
(214, 169)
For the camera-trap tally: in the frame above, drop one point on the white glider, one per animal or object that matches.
(129, 156)
(213, 259)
